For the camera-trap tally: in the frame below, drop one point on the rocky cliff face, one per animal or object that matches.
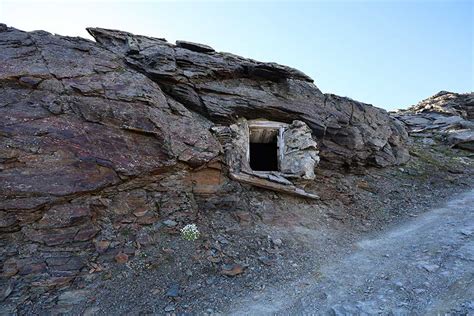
(100, 142)
(445, 117)
(223, 87)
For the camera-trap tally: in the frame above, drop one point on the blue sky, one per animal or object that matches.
(388, 53)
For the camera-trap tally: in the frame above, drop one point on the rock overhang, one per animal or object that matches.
(223, 87)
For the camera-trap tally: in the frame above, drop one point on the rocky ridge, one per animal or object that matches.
(445, 117)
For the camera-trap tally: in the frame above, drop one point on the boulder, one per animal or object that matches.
(462, 139)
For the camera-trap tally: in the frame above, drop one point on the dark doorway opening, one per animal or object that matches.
(264, 156)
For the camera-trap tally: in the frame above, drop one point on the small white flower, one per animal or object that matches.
(190, 232)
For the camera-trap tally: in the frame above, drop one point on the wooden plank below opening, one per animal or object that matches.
(266, 184)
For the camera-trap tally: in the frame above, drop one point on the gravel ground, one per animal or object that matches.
(423, 266)
(281, 240)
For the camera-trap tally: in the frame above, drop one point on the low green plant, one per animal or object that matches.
(190, 232)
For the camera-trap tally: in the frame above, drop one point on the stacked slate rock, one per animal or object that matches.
(445, 117)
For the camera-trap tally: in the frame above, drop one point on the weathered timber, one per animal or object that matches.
(267, 184)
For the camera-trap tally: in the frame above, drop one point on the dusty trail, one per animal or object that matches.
(423, 266)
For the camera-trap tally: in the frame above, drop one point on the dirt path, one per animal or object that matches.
(424, 266)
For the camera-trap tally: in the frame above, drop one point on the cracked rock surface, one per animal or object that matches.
(106, 151)
(82, 138)
(223, 87)
(446, 117)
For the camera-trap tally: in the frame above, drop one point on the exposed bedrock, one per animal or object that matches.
(446, 117)
(223, 87)
(101, 142)
(89, 148)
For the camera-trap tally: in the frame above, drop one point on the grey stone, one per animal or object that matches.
(467, 232)
(211, 280)
(415, 120)
(301, 154)
(170, 223)
(5, 291)
(430, 267)
(72, 297)
(462, 138)
(449, 120)
(222, 240)
(173, 290)
(91, 311)
(277, 242)
(200, 48)
(419, 291)
(169, 308)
